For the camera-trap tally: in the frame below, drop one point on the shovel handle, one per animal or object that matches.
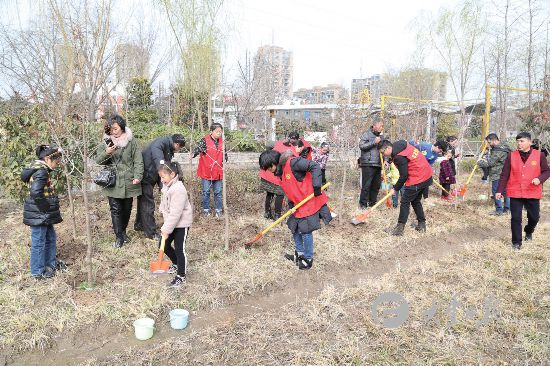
(161, 249)
(440, 186)
(292, 210)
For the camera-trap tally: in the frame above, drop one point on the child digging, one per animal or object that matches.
(178, 216)
(446, 175)
(41, 211)
(300, 178)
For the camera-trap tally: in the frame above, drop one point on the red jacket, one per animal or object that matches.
(296, 191)
(211, 163)
(418, 167)
(521, 174)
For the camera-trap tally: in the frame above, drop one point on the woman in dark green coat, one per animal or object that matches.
(124, 154)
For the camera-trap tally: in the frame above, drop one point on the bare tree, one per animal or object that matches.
(64, 60)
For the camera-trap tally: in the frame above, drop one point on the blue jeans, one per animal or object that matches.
(304, 244)
(498, 203)
(217, 185)
(43, 248)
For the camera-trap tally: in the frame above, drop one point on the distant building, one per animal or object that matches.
(131, 61)
(375, 86)
(273, 69)
(332, 93)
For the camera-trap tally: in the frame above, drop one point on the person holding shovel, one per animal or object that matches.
(523, 173)
(41, 211)
(415, 174)
(299, 178)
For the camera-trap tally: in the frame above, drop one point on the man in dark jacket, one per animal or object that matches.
(41, 211)
(495, 162)
(162, 148)
(370, 164)
(415, 174)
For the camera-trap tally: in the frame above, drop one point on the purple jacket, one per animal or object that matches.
(446, 174)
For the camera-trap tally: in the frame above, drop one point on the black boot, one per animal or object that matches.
(116, 218)
(397, 230)
(268, 214)
(304, 263)
(421, 226)
(293, 258)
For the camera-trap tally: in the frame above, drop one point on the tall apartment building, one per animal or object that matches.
(375, 85)
(273, 68)
(131, 61)
(332, 93)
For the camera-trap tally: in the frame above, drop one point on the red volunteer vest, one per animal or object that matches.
(296, 191)
(419, 168)
(280, 147)
(270, 177)
(210, 164)
(521, 174)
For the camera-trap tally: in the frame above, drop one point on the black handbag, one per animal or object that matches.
(106, 178)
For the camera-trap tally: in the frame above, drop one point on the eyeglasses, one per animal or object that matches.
(162, 162)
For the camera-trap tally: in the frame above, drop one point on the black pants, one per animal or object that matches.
(447, 186)
(370, 185)
(278, 203)
(323, 176)
(177, 252)
(412, 197)
(121, 209)
(485, 173)
(145, 216)
(532, 206)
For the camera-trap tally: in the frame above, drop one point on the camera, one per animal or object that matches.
(109, 142)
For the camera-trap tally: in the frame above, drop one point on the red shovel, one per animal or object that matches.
(361, 218)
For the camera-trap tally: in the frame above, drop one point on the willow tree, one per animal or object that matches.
(198, 39)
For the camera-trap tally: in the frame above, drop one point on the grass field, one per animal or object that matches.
(252, 307)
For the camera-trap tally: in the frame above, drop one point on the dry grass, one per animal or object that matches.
(336, 327)
(126, 290)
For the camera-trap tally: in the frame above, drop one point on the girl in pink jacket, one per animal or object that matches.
(178, 217)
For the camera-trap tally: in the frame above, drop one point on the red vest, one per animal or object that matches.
(521, 174)
(210, 164)
(296, 191)
(280, 147)
(419, 168)
(270, 177)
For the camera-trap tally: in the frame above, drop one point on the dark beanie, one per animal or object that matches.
(294, 135)
(46, 150)
(178, 139)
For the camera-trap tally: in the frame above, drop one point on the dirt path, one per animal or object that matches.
(101, 342)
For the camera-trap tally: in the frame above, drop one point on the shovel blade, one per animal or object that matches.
(360, 219)
(161, 267)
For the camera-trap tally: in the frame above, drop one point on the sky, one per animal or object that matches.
(332, 41)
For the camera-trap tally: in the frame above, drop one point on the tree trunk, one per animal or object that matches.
(87, 208)
(343, 188)
(71, 200)
(530, 58)
(224, 195)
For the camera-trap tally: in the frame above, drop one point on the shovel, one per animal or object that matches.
(388, 201)
(288, 213)
(160, 266)
(361, 218)
(441, 187)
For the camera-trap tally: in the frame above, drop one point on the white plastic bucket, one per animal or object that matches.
(144, 328)
(178, 318)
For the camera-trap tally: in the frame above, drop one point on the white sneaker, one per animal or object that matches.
(172, 269)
